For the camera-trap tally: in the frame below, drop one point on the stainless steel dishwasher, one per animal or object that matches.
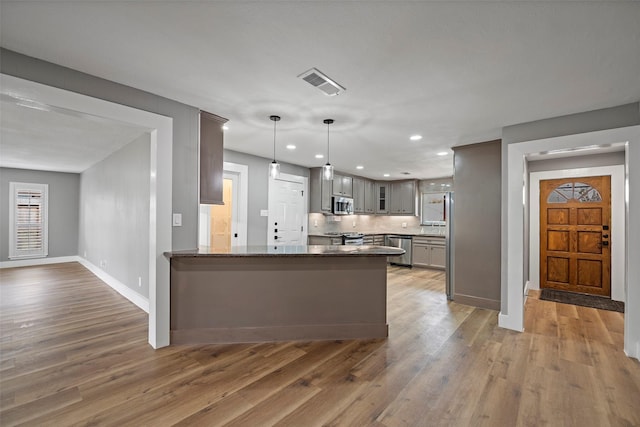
(402, 242)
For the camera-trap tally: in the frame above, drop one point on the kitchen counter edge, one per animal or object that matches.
(289, 251)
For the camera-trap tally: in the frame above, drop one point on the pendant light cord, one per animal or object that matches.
(274, 119)
(274, 140)
(328, 122)
(328, 142)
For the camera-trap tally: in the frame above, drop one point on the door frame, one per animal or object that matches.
(160, 129)
(242, 202)
(617, 222)
(305, 213)
(514, 222)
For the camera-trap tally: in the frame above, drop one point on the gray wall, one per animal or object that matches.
(477, 224)
(185, 127)
(114, 214)
(438, 185)
(573, 124)
(590, 161)
(259, 191)
(590, 121)
(64, 193)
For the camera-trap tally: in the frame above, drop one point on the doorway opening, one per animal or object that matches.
(222, 227)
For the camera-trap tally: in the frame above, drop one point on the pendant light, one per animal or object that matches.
(274, 167)
(327, 170)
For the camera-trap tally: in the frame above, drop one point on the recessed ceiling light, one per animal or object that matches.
(359, 167)
(319, 156)
(225, 127)
(291, 147)
(415, 137)
(443, 153)
(386, 174)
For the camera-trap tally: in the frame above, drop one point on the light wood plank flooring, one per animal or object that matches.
(73, 352)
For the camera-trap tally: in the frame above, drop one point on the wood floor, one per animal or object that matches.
(73, 352)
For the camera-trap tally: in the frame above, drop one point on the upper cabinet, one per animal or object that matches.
(342, 185)
(319, 192)
(403, 198)
(359, 195)
(211, 160)
(369, 197)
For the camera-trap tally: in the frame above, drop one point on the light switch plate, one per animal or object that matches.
(177, 220)
(264, 212)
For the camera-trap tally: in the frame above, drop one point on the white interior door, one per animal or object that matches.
(287, 211)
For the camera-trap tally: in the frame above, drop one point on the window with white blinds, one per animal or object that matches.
(28, 220)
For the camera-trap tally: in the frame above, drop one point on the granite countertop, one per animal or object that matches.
(277, 251)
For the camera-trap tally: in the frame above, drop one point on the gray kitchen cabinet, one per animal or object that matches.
(359, 195)
(369, 197)
(211, 162)
(342, 185)
(320, 192)
(429, 252)
(382, 197)
(373, 239)
(403, 198)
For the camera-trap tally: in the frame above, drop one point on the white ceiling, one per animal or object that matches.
(39, 136)
(454, 72)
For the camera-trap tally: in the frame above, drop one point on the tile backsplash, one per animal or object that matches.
(319, 224)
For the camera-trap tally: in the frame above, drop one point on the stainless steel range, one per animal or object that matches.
(355, 239)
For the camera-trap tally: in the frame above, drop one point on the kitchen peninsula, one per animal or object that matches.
(274, 293)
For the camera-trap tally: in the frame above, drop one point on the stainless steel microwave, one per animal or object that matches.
(342, 206)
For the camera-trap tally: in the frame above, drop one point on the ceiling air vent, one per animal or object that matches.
(316, 78)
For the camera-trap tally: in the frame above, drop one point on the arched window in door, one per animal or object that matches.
(574, 191)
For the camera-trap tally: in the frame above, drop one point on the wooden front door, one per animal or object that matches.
(575, 230)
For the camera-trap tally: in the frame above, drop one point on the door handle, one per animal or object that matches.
(605, 243)
(275, 237)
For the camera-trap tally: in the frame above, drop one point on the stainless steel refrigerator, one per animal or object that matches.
(449, 211)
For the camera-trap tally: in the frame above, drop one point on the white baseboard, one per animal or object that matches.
(27, 262)
(637, 353)
(507, 322)
(120, 287)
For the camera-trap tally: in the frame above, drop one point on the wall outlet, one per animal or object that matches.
(85, 254)
(139, 282)
(354, 224)
(315, 223)
(404, 225)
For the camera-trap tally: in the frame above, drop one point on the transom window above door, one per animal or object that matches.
(574, 191)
